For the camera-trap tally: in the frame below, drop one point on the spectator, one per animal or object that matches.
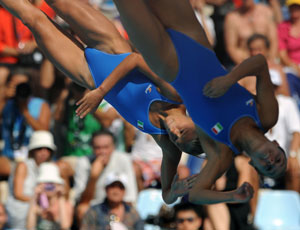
(220, 9)
(240, 24)
(188, 216)
(91, 172)
(113, 213)
(16, 39)
(22, 180)
(122, 130)
(78, 131)
(206, 22)
(49, 208)
(289, 47)
(3, 218)
(287, 133)
(289, 41)
(260, 44)
(147, 157)
(22, 114)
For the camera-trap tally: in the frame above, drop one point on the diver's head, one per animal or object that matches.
(182, 132)
(268, 159)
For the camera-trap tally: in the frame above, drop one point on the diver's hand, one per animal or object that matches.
(89, 102)
(244, 193)
(217, 87)
(181, 187)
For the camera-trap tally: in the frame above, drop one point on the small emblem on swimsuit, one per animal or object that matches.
(250, 102)
(140, 124)
(149, 89)
(217, 128)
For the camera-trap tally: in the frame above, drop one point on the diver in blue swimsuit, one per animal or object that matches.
(111, 70)
(228, 119)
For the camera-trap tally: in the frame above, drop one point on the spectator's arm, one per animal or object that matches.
(129, 135)
(131, 190)
(19, 179)
(59, 112)
(96, 170)
(106, 118)
(64, 215)
(7, 51)
(32, 213)
(47, 74)
(43, 122)
(231, 39)
(285, 59)
(89, 220)
(81, 176)
(272, 36)
(276, 8)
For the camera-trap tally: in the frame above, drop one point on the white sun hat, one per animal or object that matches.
(49, 173)
(41, 139)
(113, 177)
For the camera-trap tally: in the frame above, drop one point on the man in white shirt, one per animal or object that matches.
(92, 171)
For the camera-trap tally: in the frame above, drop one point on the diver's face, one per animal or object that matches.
(182, 133)
(269, 159)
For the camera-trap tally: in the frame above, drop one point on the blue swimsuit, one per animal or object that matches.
(132, 96)
(216, 116)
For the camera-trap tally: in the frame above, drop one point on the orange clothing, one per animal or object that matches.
(13, 31)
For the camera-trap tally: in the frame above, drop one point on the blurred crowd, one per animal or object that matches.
(58, 171)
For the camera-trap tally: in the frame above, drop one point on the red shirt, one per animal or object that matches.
(10, 37)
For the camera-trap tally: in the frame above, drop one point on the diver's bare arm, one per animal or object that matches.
(168, 172)
(170, 161)
(265, 96)
(135, 60)
(165, 88)
(253, 66)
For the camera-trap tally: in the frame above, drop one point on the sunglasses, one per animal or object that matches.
(182, 220)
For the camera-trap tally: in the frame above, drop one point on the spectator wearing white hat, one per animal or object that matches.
(49, 208)
(113, 213)
(22, 180)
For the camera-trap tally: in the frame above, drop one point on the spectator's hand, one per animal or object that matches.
(244, 193)
(60, 190)
(37, 191)
(98, 166)
(89, 102)
(23, 105)
(181, 187)
(217, 87)
(26, 48)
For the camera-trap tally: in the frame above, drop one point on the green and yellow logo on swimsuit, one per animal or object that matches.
(140, 124)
